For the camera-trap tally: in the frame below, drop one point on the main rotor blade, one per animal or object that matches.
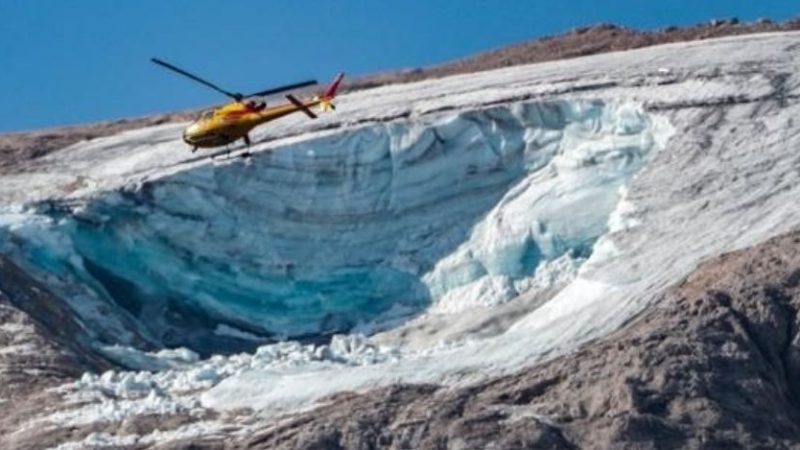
(287, 87)
(235, 96)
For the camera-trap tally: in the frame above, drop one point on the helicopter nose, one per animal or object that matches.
(190, 134)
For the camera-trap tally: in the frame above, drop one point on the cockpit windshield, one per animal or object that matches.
(205, 115)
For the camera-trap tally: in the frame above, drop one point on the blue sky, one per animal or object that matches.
(64, 62)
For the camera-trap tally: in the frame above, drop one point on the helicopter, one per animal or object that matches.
(233, 121)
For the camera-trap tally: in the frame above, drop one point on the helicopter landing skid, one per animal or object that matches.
(229, 155)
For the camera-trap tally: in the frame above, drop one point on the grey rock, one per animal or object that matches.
(41, 346)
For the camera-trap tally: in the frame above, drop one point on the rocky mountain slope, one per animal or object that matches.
(581, 41)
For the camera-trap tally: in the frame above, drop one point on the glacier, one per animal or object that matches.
(366, 226)
(470, 226)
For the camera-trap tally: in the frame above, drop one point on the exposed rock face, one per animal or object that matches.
(35, 354)
(717, 365)
(581, 41)
(52, 345)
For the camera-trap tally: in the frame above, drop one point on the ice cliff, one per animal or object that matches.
(366, 225)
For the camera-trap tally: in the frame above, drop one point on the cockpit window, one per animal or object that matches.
(206, 115)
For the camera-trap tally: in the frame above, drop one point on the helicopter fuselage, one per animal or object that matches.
(233, 121)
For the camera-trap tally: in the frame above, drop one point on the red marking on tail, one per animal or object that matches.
(330, 91)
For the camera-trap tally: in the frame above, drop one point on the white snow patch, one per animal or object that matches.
(116, 395)
(106, 440)
(15, 328)
(139, 360)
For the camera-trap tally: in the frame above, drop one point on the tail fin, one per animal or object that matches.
(330, 92)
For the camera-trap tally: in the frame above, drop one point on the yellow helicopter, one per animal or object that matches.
(228, 123)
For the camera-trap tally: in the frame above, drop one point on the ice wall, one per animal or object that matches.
(361, 226)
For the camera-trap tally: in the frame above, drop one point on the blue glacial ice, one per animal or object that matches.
(361, 225)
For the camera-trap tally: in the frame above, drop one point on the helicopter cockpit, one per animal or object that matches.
(205, 115)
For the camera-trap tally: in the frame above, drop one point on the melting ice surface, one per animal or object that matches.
(362, 226)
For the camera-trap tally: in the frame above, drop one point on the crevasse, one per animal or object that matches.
(360, 226)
